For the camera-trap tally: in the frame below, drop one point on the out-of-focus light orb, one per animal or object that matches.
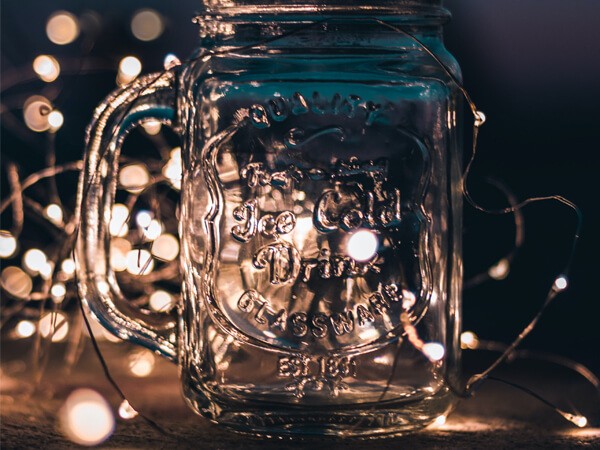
(87, 418)
(561, 283)
(165, 247)
(119, 249)
(134, 178)
(34, 261)
(153, 230)
(68, 266)
(362, 245)
(8, 244)
(469, 340)
(46, 67)
(141, 363)
(434, 351)
(118, 220)
(54, 324)
(129, 68)
(172, 170)
(440, 420)
(54, 213)
(25, 329)
(171, 60)
(146, 25)
(139, 262)
(58, 292)
(161, 301)
(152, 127)
(500, 270)
(143, 218)
(35, 113)
(126, 411)
(55, 120)
(47, 270)
(16, 282)
(62, 28)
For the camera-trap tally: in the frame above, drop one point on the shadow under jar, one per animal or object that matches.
(320, 217)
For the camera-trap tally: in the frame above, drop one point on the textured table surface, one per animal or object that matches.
(497, 417)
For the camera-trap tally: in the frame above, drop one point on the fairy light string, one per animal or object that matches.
(431, 350)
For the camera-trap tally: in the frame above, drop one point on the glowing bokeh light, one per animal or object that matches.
(171, 60)
(146, 25)
(561, 283)
(152, 127)
(139, 262)
(62, 28)
(58, 292)
(126, 411)
(165, 247)
(55, 120)
(141, 363)
(469, 340)
(16, 282)
(362, 245)
(46, 270)
(35, 113)
(161, 301)
(8, 244)
(440, 420)
(134, 178)
(54, 325)
(46, 67)
(118, 220)
(87, 418)
(172, 170)
(34, 261)
(434, 351)
(54, 213)
(500, 270)
(129, 68)
(119, 248)
(25, 329)
(143, 218)
(153, 230)
(68, 266)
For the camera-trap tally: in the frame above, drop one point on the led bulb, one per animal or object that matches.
(434, 351)
(46, 67)
(362, 245)
(62, 28)
(87, 418)
(8, 244)
(561, 283)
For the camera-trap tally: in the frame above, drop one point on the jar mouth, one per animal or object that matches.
(244, 8)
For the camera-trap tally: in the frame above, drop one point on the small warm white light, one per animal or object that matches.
(561, 283)
(58, 292)
(129, 68)
(35, 113)
(87, 418)
(55, 120)
(440, 420)
(469, 340)
(152, 127)
(68, 266)
(434, 351)
(54, 324)
(143, 218)
(141, 363)
(126, 411)
(119, 248)
(171, 61)
(578, 420)
(62, 28)
(172, 170)
(479, 118)
(500, 270)
(16, 282)
(165, 247)
(153, 230)
(362, 245)
(118, 220)
(25, 328)
(34, 261)
(54, 213)
(46, 67)
(408, 299)
(47, 270)
(161, 301)
(139, 262)
(146, 25)
(134, 178)
(8, 244)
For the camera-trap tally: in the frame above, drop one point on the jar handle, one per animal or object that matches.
(152, 97)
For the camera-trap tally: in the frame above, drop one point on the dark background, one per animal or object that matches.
(531, 66)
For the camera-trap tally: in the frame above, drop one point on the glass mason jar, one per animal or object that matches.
(320, 219)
